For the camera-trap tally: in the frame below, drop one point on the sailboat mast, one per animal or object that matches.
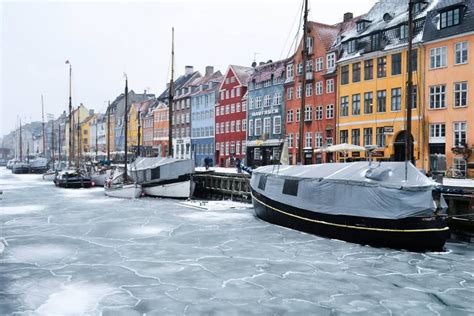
(409, 93)
(52, 141)
(21, 145)
(78, 138)
(170, 100)
(302, 107)
(96, 137)
(70, 115)
(59, 142)
(139, 133)
(108, 132)
(126, 125)
(42, 119)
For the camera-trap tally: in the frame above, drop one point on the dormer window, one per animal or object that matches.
(403, 31)
(362, 25)
(450, 17)
(375, 41)
(418, 7)
(387, 17)
(351, 46)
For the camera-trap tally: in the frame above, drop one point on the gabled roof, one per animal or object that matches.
(242, 74)
(326, 34)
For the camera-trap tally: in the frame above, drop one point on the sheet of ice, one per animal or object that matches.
(466, 183)
(80, 253)
(20, 209)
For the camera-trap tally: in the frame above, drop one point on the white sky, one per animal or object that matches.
(107, 38)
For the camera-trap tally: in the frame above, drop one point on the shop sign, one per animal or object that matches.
(377, 153)
(265, 112)
(388, 130)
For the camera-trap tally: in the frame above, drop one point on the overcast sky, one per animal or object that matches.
(107, 38)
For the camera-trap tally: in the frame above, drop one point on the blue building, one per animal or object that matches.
(265, 114)
(203, 103)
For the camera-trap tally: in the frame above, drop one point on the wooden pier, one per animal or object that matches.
(216, 185)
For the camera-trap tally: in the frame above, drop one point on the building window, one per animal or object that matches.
(232, 108)
(396, 99)
(345, 74)
(344, 106)
(356, 137)
(356, 104)
(319, 112)
(396, 64)
(258, 102)
(309, 89)
(460, 164)
(299, 91)
(380, 137)
(237, 148)
(381, 67)
(368, 69)
(237, 107)
(355, 72)
(309, 139)
(437, 133)
(258, 127)
(414, 97)
(277, 98)
(375, 41)
(450, 18)
(289, 93)
(309, 45)
(237, 91)
(289, 116)
(309, 66)
(460, 94)
(232, 126)
(460, 130)
(277, 125)
(266, 125)
(381, 101)
(289, 138)
(318, 137)
(319, 64)
(298, 115)
(368, 136)
(227, 126)
(289, 72)
(403, 31)
(438, 97)
(438, 57)
(330, 86)
(331, 60)
(344, 136)
(267, 100)
(461, 53)
(300, 68)
(308, 113)
(368, 102)
(330, 111)
(414, 60)
(319, 88)
(351, 46)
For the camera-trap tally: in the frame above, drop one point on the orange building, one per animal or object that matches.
(449, 74)
(160, 129)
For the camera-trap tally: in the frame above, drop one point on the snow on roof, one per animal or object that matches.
(242, 73)
(265, 71)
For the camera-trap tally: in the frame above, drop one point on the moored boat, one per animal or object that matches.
(72, 179)
(164, 177)
(21, 167)
(357, 202)
(116, 186)
(39, 165)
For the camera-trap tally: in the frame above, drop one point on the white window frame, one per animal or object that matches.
(258, 127)
(319, 88)
(461, 49)
(458, 94)
(330, 86)
(331, 60)
(277, 125)
(437, 133)
(438, 57)
(437, 96)
(330, 111)
(459, 132)
(267, 125)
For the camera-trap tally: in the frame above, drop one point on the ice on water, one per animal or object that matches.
(77, 252)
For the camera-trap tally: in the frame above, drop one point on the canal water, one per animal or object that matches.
(77, 252)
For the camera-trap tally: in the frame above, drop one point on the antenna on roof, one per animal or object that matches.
(255, 56)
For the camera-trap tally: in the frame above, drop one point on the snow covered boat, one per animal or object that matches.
(72, 179)
(49, 175)
(39, 165)
(360, 202)
(164, 177)
(118, 187)
(99, 177)
(21, 167)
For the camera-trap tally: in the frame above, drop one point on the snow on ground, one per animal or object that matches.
(77, 252)
(466, 183)
(217, 169)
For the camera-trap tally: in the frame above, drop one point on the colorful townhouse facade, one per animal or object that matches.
(449, 83)
(161, 129)
(203, 104)
(135, 129)
(372, 76)
(319, 94)
(265, 113)
(148, 131)
(231, 111)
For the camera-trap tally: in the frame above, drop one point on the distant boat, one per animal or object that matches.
(360, 202)
(120, 185)
(20, 166)
(38, 165)
(164, 177)
(72, 179)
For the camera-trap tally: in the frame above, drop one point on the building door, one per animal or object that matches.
(399, 147)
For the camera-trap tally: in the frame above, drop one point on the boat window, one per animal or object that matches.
(290, 187)
(155, 173)
(262, 182)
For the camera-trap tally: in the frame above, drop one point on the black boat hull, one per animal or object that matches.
(39, 170)
(76, 183)
(413, 233)
(21, 170)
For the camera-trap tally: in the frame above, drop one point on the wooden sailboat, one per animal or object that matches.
(120, 185)
(39, 164)
(72, 177)
(387, 204)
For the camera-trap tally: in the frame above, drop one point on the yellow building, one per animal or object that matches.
(372, 74)
(79, 114)
(449, 77)
(132, 134)
(86, 132)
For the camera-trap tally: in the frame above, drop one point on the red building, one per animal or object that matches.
(319, 93)
(148, 132)
(231, 111)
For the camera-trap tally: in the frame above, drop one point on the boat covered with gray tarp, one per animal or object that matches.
(362, 202)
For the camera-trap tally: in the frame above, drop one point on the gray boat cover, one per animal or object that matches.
(154, 170)
(377, 190)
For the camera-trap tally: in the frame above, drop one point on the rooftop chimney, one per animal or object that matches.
(348, 16)
(188, 70)
(254, 64)
(209, 70)
(261, 63)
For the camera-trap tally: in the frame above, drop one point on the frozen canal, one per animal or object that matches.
(74, 252)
